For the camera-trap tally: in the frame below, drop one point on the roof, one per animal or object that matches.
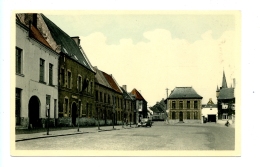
(226, 93)
(137, 94)
(125, 94)
(35, 33)
(68, 45)
(112, 82)
(184, 93)
(100, 78)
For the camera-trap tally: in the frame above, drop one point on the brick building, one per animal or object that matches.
(184, 105)
(128, 105)
(140, 105)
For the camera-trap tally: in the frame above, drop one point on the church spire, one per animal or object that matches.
(224, 82)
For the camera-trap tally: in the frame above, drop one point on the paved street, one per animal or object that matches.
(160, 136)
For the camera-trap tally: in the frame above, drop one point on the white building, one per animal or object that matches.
(36, 78)
(210, 112)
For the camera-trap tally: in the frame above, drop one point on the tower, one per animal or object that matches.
(224, 81)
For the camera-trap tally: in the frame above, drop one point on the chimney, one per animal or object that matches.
(34, 20)
(76, 39)
(124, 86)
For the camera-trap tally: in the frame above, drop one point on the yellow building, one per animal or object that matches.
(184, 105)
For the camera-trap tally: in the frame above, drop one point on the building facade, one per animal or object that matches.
(117, 96)
(226, 101)
(140, 105)
(209, 112)
(36, 78)
(76, 78)
(128, 106)
(184, 105)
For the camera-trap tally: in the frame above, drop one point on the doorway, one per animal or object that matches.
(34, 111)
(181, 117)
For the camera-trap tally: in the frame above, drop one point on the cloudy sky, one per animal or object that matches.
(152, 51)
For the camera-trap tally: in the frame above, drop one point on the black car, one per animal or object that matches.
(145, 122)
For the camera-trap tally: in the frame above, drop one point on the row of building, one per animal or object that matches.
(184, 105)
(56, 83)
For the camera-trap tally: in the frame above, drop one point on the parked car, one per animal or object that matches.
(145, 122)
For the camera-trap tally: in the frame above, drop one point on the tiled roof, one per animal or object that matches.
(137, 95)
(68, 45)
(125, 94)
(226, 93)
(184, 93)
(100, 78)
(112, 82)
(35, 33)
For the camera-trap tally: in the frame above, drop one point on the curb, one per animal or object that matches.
(68, 134)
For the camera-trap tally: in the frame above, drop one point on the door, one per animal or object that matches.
(181, 116)
(74, 113)
(34, 111)
(211, 118)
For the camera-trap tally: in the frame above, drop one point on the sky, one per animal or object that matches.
(153, 51)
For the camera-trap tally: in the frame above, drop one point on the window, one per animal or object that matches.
(91, 85)
(188, 115)
(66, 107)
(87, 85)
(195, 104)
(173, 115)
(18, 60)
(173, 104)
(225, 116)
(79, 83)
(140, 106)
(50, 74)
(62, 77)
(188, 104)
(101, 99)
(105, 97)
(42, 70)
(96, 95)
(109, 99)
(69, 79)
(181, 104)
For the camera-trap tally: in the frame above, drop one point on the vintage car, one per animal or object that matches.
(145, 122)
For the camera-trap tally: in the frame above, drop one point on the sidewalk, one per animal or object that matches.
(66, 132)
